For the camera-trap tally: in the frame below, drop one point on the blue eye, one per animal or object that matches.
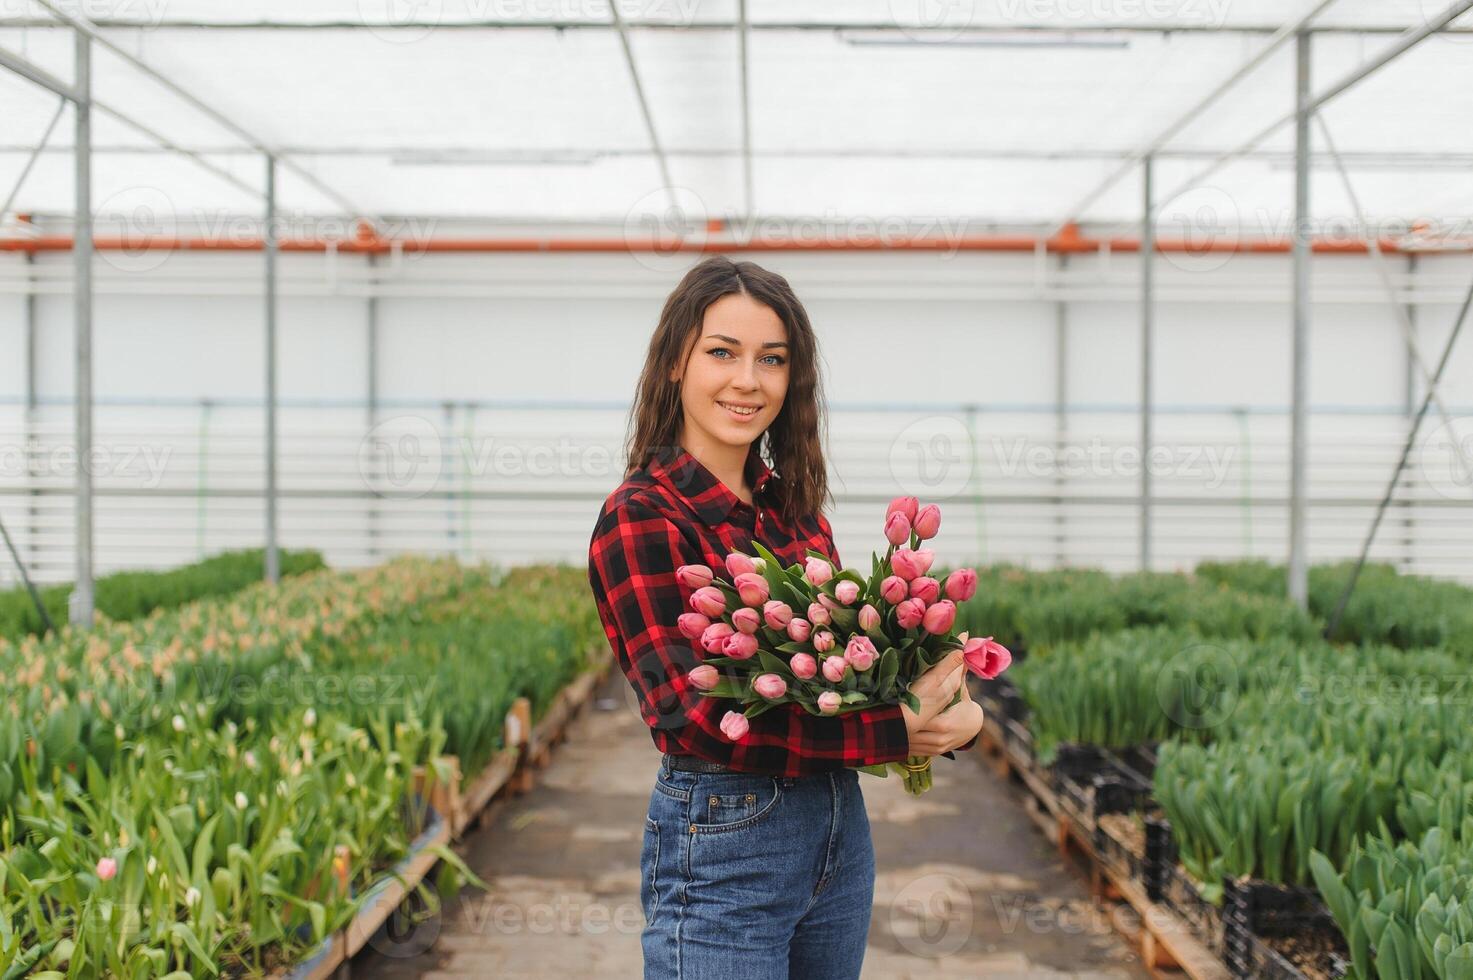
(777, 359)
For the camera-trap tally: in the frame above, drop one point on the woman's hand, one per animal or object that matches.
(935, 689)
(951, 728)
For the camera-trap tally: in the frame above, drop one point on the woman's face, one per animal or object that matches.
(740, 358)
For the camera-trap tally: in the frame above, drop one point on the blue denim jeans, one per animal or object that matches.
(755, 877)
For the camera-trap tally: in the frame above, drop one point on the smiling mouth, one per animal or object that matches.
(738, 409)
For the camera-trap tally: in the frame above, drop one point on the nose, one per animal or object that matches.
(746, 378)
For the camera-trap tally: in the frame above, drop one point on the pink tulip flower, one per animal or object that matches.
(770, 686)
(869, 618)
(739, 564)
(817, 571)
(860, 652)
(752, 588)
(927, 522)
(734, 725)
(799, 629)
(985, 657)
(694, 576)
(746, 619)
(905, 564)
(823, 641)
(740, 646)
(704, 677)
(714, 637)
(925, 588)
(692, 625)
(909, 613)
(829, 701)
(897, 529)
(833, 668)
(803, 666)
(708, 601)
(846, 592)
(107, 868)
(961, 585)
(904, 505)
(939, 617)
(818, 614)
(924, 557)
(777, 614)
(893, 589)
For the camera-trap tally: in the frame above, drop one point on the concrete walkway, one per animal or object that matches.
(966, 885)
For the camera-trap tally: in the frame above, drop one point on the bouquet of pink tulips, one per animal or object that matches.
(832, 640)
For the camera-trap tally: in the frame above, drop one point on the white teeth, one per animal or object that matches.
(739, 411)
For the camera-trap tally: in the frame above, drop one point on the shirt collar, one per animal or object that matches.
(712, 500)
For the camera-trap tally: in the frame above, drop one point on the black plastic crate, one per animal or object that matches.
(1167, 883)
(1257, 910)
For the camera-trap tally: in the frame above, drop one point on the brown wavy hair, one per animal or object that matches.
(791, 445)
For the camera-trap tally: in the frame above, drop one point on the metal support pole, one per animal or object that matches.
(1299, 447)
(1409, 408)
(1061, 419)
(1148, 285)
(33, 512)
(374, 453)
(80, 607)
(273, 560)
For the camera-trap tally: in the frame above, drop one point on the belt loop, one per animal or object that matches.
(665, 764)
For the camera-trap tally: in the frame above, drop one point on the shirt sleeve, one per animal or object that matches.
(632, 563)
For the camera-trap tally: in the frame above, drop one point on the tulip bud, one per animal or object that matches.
(961, 585)
(927, 522)
(939, 617)
(893, 589)
(752, 588)
(692, 625)
(739, 564)
(740, 646)
(925, 588)
(803, 666)
(903, 505)
(897, 529)
(823, 641)
(818, 614)
(799, 629)
(704, 677)
(708, 601)
(829, 701)
(777, 614)
(833, 668)
(713, 640)
(924, 557)
(734, 725)
(694, 576)
(869, 617)
(107, 868)
(846, 592)
(746, 619)
(905, 564)
(860, 652)
(770, 686)
(817, 570)
(909, 613)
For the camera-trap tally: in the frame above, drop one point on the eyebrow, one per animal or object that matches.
(737, 343)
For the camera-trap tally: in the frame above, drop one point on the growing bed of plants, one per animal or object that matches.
(213, 789)
(1317, 794)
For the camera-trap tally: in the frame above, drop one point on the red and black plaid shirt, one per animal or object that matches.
(675, 512)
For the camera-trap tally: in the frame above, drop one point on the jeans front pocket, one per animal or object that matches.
(732, 801)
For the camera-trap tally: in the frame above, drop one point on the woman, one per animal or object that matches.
(757, 860)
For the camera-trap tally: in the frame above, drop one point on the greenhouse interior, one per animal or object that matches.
(1161, 303)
